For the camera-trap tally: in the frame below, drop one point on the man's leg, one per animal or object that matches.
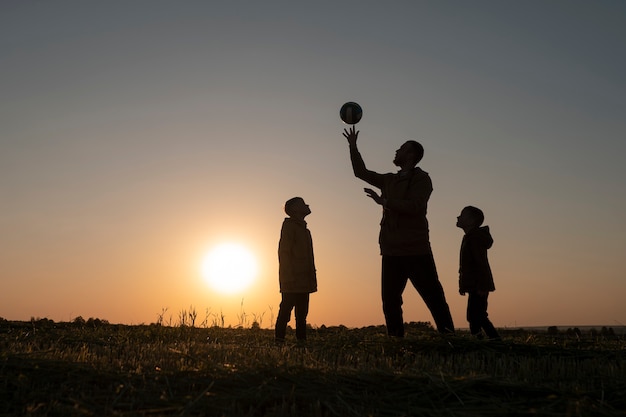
(426, 281)
(393, 283)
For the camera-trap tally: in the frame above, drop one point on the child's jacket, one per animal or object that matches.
(474, 271)
(295, 255)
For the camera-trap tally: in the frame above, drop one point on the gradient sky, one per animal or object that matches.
(136, 135)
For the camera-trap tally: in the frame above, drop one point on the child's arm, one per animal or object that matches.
(482, 270)
(285, 249)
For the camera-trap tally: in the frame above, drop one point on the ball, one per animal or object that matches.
(351, 113)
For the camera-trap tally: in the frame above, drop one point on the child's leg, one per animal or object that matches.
(487, 326)
(284, 315)
(475, 309)
(491, 331)
(302, 310)
(478, 317)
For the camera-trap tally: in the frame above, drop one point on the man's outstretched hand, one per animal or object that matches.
(351, 134)
(374, 196)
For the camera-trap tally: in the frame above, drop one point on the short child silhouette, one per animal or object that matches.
(475, 277)
(297, 276)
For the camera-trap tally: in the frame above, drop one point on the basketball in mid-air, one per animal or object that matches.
(351, 113)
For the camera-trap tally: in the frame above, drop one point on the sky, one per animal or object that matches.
(136, 136)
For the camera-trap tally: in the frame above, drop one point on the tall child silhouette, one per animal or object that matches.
(296, 274)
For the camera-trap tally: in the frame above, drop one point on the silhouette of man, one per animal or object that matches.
(404, 241)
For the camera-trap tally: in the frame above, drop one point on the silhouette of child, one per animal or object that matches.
(297, 276)
(475, 277)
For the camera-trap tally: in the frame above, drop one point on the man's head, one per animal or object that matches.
(409, 154)
(297, 208)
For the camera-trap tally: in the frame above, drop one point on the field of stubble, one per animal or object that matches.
(95, 368)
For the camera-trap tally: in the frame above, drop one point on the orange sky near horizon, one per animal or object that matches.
(134, 137)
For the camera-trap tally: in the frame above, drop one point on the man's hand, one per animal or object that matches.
(352, 135)
(374, 196)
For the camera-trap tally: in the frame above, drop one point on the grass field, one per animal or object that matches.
(93, 368)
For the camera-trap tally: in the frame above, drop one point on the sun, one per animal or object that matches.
(229, 268)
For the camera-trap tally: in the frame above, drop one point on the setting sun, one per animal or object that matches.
(229, 268)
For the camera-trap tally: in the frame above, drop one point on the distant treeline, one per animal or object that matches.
(605, 331)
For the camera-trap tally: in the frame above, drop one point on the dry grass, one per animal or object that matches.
(94, 368)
